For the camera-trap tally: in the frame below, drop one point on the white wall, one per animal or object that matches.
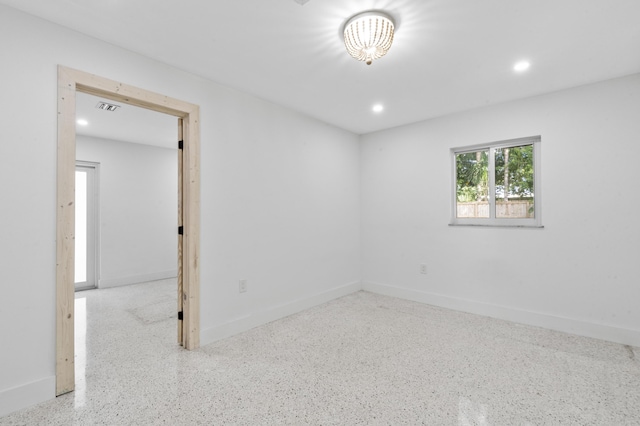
(578, 274)
(280, 199)
(138, 209)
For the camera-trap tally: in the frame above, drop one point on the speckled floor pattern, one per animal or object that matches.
(364, 359)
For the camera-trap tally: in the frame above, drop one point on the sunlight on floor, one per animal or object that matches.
(80, 341)
(472, 414)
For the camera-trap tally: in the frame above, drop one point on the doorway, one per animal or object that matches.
(71, 81)
(86, 228)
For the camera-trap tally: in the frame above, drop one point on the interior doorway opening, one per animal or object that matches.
(71, 81)
(137, 152)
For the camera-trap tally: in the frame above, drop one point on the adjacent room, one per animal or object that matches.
(325, 212)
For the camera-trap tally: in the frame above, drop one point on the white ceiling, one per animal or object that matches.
(448, 55)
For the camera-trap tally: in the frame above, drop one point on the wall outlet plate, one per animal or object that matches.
(242, 286)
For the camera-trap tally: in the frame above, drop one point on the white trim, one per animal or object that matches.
(135, 279)
(535, 222)
(537, 181)
(93, 215)
(26, 395)
(528, 140)
(274, 313)
(539, 319)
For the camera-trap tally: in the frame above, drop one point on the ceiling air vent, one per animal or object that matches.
(107, 107)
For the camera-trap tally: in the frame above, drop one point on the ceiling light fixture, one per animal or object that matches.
(368, 35)
(378, 108)
(82, 122)
(521, 66)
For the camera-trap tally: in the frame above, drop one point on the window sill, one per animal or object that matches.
(494, 225)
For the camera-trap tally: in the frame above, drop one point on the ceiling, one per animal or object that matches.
(127, 123)
(447, 56)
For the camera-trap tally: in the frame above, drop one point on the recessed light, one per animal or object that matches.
(521, 66)
(82, 122)
(377, 108)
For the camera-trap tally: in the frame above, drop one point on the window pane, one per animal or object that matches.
(514, 182)
(81, 227)
(472, 184)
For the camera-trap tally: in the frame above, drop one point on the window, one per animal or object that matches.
(497, 184)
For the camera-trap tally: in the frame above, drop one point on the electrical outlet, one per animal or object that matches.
(242, 286)
(423, 268)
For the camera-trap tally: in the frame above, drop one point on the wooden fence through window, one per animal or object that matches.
(508, 209)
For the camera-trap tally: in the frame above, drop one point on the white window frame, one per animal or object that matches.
(93, 225)
(535, 222)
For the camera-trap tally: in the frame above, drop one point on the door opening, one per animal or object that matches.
(70, 81)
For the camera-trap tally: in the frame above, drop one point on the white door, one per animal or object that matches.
(86, 232)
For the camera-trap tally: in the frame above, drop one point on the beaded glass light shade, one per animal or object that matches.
(368, 35)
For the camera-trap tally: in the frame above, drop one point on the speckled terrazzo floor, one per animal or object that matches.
(364, 359)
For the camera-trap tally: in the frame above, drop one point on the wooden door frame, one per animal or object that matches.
(71, 81)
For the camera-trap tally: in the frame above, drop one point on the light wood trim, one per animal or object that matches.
(65, 230)
(99, 86)
(191, 223)
(180, 291)
(70, 81)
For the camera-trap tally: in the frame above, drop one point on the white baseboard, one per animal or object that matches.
(273, 313)
(568, 325)
(136, 279)
(24, 396)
